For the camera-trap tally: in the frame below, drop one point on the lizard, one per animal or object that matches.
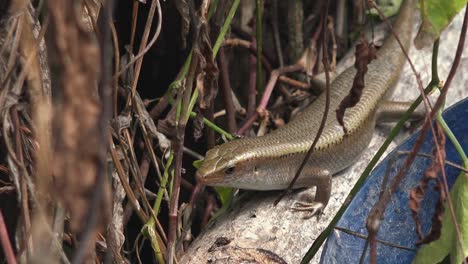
(270, 162)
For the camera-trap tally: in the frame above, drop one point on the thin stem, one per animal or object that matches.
(434, 66)
(150, 225)
(136, 4)
(252, 92)
(213, 7)
(227, 91)
(259, 40)
(452, 138)
(448, 162)
(143, 47)
(225, 27)
(4, 238)
(214, 127)
(274, 18)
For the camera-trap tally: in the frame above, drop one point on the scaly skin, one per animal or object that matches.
(270, 162)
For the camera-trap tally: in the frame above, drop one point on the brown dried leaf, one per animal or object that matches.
(417, 194)
(90, 13)
(365, 53)
(208, 70)
(167, 126)
(184, 11)
(309, 58)
(198, 126)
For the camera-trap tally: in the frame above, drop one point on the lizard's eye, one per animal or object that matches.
(229, 170)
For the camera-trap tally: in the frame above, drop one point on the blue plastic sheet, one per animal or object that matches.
(398, 228)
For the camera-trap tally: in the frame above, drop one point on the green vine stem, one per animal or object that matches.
(149, 228)
(452, 138)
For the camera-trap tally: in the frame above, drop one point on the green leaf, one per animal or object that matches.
(447, 244)
(225, 194)
(388, 7)
(197, 164)
(436, 16)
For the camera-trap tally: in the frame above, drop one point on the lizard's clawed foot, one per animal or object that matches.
(312, 208)
(312, 204)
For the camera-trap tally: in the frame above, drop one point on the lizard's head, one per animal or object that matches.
(227, 165)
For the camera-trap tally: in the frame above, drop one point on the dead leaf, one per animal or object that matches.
(365, 53)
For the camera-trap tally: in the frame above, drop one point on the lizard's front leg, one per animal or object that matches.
(322, 180)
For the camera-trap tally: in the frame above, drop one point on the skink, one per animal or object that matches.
(269, 162)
